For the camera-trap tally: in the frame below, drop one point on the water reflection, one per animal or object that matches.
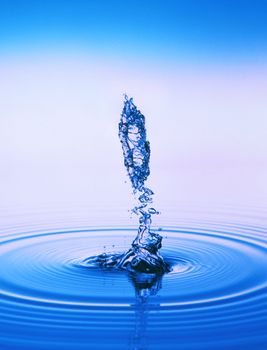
(146, 285)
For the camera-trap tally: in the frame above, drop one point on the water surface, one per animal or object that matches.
(214, 297)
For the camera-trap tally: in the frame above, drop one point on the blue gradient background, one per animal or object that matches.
(196, 69)
(183, 29)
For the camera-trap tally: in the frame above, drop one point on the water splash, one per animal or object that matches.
(143, 256)
(136, 148)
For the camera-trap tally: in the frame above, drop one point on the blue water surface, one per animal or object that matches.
(214, 297)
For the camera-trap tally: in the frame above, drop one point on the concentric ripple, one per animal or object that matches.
(214, 297)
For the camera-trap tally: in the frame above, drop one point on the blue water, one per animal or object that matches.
(214, 297)
(143, 256)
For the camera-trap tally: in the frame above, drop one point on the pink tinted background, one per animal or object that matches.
(60, 152)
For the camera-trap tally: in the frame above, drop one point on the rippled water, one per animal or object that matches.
(215, 297)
